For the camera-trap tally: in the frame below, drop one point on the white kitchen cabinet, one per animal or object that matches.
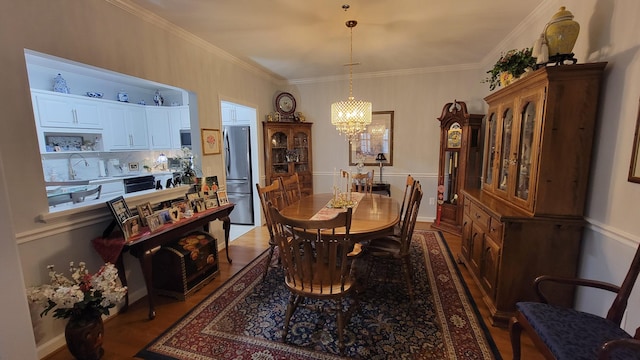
(111, 187)
(182, 113)
(66, 111)
(126, 126)
(160, 129)
(234, 114)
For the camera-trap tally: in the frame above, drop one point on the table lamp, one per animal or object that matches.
(380, 158)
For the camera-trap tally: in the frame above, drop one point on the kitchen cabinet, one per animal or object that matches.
(234, 114)
(527, 218)
(126, 127)
(287, 151)
(165, 124)
(66, 111)
(460, 163)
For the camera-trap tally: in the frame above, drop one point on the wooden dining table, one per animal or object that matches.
(374, 215)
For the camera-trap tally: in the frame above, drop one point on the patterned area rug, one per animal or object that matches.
(243, 318)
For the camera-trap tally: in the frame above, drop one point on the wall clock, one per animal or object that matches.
(285, 104)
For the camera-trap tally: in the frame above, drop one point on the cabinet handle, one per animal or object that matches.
(130, 140)
(75, 116)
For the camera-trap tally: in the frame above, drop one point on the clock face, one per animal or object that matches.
(285, 103)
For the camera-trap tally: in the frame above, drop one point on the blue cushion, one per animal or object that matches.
(572, 334)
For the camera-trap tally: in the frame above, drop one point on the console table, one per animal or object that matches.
(144, 245)
(381, 188)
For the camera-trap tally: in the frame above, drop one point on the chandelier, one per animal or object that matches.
(352, 116)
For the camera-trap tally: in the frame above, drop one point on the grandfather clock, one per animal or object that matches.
(460, 163)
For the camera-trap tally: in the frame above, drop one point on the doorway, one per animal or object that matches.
(240, 123)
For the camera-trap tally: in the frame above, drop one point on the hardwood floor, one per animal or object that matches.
(127, 333)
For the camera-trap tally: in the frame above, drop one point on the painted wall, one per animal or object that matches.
(102, 34)
(99, 33)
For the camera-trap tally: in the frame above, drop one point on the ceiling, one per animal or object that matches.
(306, 39)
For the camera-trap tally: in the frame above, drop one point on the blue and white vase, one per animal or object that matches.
(60, 85)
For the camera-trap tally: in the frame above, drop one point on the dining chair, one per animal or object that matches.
(317, 262)
(362, 182)
(291, 188)
(270, 194)
(408, 188)
(565, 333)
(398, 248)
(79, 196)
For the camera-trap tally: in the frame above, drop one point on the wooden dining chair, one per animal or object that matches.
(408, 188)
(79, 196)
(291, 188)
(398, 248)
(317, 262)
(270, 194)
(565, 333)
(362, 182)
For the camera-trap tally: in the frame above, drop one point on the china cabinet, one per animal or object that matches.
(527, 218)
(460, 163)
(287, 151)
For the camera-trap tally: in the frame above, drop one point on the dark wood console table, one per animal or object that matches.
(143, 246)
(381, 188)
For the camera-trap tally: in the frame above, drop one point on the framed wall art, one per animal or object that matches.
(376, 139)
(634, 167)
(210, 141)
(120, 211)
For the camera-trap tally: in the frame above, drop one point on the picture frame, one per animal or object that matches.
(222, 197)
(163, 216)
(154, 221)
(145, 210)
(120, 211)
(634, 167)
(377, 138)
(211, 202)
(132, 227)
(210, 141)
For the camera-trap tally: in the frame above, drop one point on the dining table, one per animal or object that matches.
(373, 216)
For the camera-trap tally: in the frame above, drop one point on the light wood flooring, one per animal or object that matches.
(127, 333)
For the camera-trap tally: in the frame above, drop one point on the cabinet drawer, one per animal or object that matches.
(479, 216)
(495, 230)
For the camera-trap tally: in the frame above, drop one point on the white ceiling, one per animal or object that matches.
(301, 39)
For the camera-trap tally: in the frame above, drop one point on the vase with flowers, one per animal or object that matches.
(510, 67)
(83, 300)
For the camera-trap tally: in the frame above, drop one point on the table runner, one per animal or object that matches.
(328, 212)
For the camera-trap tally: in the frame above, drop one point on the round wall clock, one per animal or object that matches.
(285, 104)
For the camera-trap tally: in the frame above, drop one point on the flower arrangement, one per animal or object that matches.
(82, 296)
(514, 63)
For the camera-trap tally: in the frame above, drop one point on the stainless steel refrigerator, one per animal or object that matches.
(237, 147)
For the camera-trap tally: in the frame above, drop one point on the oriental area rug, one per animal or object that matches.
(243, 318)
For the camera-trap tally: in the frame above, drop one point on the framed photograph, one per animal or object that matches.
(120, 211)
(222, 197)
(175, 214)
(211, 202)
(163, 216)
(210, 141)
(145, 210)
(132, 227)
(376, 139)
(199, 205)
(134, 166)
(634, 168)
(154, 222)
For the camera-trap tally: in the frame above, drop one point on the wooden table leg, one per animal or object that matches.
(146, 264)
(226, 225)
(123, 279)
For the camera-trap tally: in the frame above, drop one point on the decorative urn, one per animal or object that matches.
(562, 32)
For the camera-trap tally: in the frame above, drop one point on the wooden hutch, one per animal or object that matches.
(287, 151)
(527, 218)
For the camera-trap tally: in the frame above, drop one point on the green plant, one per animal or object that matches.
(85, 295)
(514, 62)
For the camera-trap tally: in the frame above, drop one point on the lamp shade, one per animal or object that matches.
(380, 157)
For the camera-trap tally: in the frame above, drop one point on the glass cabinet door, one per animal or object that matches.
(491, 148)
(279, 153)
(505, 151)
(301, 151)
(527, 127)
